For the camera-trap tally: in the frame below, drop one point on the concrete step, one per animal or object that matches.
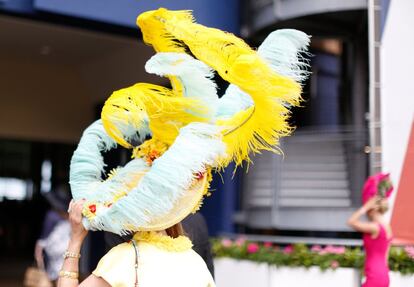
(322, 218)
(260, 192)
(259, 185)
(300, 218)
(316, 150)
(313, 142)
(301, 137)
(261, 202)
(298, 167)
(314, 184)
(320, 147)
(315, 175)
(314, 202)
(314, 158)
(314, 193)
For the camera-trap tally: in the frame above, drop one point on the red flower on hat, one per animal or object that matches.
(199, 175)
(92, 208)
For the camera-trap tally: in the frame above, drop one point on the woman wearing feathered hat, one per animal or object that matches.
(177, 137)
(377, 232)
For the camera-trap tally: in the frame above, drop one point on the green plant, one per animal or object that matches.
(300, 255)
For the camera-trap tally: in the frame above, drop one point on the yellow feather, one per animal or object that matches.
(258, 128)
(166, 113)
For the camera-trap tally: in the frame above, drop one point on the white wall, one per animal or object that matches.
(397, 65)
(242, 273)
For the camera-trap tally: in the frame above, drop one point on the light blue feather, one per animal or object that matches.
(197, 147)
(87, 164)
(195, 76)
(87, 167)
(283, 50)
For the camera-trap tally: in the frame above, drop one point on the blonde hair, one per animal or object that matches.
(383, 205)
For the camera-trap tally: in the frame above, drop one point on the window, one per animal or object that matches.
(15, 188)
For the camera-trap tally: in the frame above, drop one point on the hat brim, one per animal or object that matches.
(183, 206)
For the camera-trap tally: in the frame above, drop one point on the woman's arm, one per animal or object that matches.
(362, 226)
(38, 255)
(68, 277)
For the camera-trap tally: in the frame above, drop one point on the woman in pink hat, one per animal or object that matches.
(376, 231)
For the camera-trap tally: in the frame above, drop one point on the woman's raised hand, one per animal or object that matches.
(78, 231)
(372, 203)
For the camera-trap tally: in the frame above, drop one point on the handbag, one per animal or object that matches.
(36, 277)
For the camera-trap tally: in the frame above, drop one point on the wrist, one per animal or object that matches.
(71, 255)
(75, 244)
(77, 236)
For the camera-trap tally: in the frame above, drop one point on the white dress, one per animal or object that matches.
(162, 261)
(55, 246)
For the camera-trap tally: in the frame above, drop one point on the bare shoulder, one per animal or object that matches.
(366, 227)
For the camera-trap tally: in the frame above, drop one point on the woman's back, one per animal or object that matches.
(162, 261)
(376, 260)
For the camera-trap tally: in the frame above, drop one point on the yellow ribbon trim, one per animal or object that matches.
(165, 242)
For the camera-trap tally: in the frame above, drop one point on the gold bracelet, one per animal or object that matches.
(68, 254)
(69, 274)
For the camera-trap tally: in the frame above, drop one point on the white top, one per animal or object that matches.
(159, 264)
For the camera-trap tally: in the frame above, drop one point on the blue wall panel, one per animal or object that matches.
(17, 6)
(219, 208)
(215, 13)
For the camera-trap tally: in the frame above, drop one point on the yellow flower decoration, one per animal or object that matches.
(150, 150)
(181, 243)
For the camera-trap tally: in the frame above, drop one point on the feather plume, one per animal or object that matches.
(194, 76)
(197, 147)
(236, 62)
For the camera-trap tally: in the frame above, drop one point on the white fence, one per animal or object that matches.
(243, 273)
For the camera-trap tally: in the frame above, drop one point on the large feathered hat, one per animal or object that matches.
(377, 185)
(178, 135)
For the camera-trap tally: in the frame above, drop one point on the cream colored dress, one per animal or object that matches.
(162, 261)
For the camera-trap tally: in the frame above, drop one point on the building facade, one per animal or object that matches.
(350, 125)
(59, 61)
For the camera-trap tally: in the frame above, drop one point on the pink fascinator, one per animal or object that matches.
(378, 184)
